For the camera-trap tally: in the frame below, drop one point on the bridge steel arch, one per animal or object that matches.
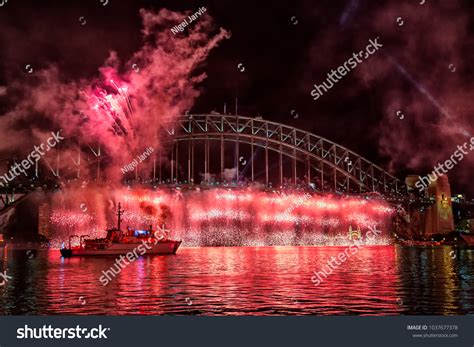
(334, 166)
(328, 165)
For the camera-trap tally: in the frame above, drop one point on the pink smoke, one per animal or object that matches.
(424, 66)
(423, 70)
(120, 109)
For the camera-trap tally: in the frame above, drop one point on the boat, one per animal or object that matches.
(119, 242)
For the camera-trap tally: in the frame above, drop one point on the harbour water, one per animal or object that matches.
(377, 280)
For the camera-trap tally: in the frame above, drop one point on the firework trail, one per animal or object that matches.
(119, 110)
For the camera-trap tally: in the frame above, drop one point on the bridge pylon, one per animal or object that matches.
(439, 217)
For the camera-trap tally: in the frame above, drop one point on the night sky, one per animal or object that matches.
(423, 69)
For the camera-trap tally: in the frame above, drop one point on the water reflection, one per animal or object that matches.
(377, 280)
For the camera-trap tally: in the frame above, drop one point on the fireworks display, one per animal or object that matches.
(70, 219)
(116, 114)
(120, 109)
(220, 217)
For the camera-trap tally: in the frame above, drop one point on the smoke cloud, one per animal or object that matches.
(121, 108)
(420, 83)
(433, 93)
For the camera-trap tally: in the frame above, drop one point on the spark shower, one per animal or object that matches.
(222, 217)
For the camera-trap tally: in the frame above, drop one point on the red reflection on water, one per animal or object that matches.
(228, 281)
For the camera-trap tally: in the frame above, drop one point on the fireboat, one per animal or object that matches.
(121, 242)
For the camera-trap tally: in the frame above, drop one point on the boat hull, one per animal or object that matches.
(162, 247)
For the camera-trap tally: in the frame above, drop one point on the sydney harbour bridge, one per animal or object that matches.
(215, 150)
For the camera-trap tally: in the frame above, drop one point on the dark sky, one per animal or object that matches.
(283, 60)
